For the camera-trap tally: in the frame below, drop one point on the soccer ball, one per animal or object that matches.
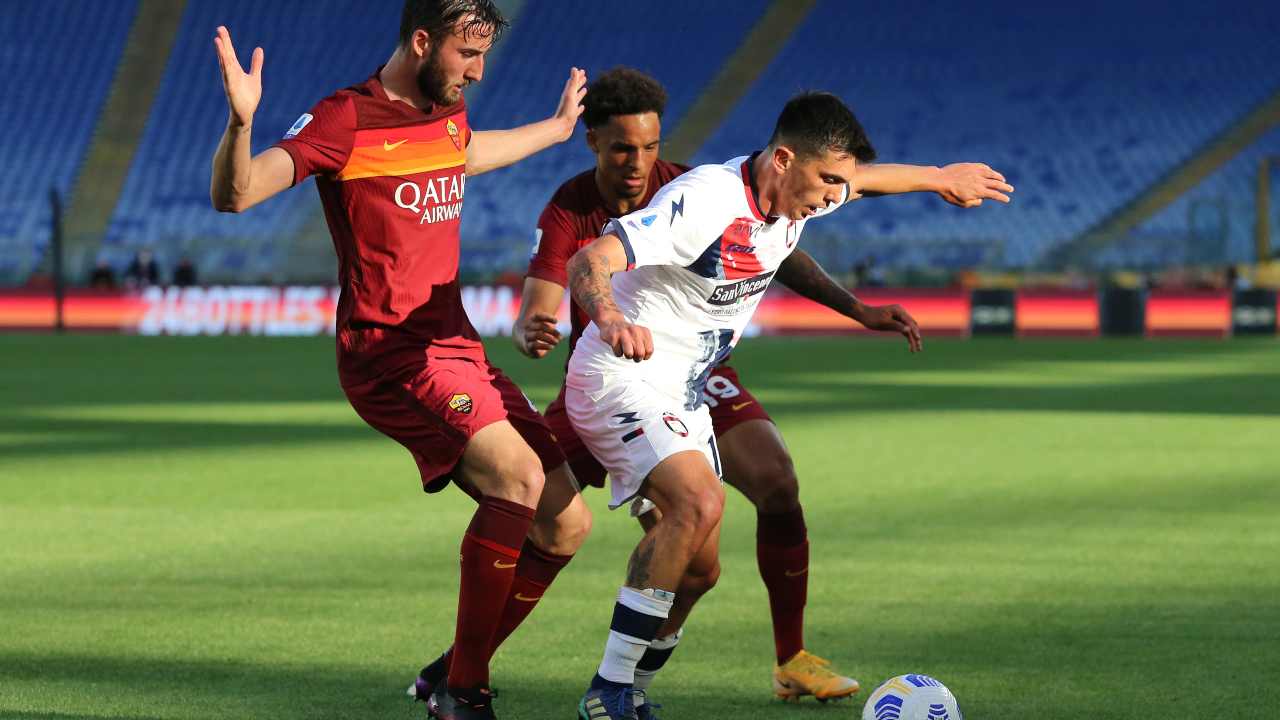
(912, 697)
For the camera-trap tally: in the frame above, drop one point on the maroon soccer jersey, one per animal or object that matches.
(391, 178)
(572, 220)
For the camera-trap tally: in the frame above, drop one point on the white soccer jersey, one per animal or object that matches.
(700, 257)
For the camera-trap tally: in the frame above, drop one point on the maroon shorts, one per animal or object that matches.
(730, 405)
(434, 407)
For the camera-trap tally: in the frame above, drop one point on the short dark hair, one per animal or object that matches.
(622, 91)
(815, 122)
(438, 18)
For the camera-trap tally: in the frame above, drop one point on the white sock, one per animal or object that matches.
(636, 618)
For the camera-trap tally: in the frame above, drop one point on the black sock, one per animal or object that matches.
(438, 670)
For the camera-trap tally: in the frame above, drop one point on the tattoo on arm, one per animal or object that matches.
(638, 566)
(802, 274)
(589, 283)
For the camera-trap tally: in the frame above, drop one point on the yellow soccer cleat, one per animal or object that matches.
(808, 674)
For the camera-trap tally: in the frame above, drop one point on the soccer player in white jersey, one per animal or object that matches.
(669, 290)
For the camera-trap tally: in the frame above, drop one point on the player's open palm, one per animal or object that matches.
(570, 108)
(968, 184)
(244, 90)
(893, 318)
(632, 342)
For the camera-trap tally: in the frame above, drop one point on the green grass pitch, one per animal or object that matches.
(202, 528)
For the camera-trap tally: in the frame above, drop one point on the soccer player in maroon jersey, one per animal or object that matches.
(623, 110)
(391, 156)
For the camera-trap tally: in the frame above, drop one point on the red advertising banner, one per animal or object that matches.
(309, 310)
(1189, 313)
(242, 310)
(256, 310)
(1056, 313)
(939, 312)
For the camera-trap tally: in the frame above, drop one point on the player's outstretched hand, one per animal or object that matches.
(575, 89)
(632, 342)
(539, 335)
(244, 90)
(892, 318)
(968, 184)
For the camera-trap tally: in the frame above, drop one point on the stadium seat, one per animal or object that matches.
(1082, 107)
(165, 203)
(52, 100)
(1212, 222)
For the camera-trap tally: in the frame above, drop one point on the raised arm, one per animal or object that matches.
(590, 272)
(534, 332)
(961, 184)
(493, 149)
(238, 181)
(803, 275)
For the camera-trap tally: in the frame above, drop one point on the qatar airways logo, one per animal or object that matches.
(436, 200)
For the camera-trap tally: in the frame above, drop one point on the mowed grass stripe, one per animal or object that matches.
(201, 528)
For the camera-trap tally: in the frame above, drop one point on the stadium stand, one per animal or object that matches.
(1214, 222)
(685, 54)
(1082, 105)
(52, 100)
(165, 203)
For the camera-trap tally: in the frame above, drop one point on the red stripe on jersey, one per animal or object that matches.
(497, 547)
(737, 254)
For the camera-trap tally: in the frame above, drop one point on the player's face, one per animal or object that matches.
(453, 63)
(809, 184)
(626, 148)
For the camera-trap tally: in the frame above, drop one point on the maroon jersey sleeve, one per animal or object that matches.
(556, 243)
(668, 171)
(320, 141)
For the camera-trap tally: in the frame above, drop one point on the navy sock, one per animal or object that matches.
(599, 683)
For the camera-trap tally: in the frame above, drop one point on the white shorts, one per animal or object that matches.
(630, 428)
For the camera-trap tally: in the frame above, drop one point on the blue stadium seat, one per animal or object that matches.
(1082, 105)
(51, 110)
(165, 203)
(312, 48)
(684, 50)
(1214, 221)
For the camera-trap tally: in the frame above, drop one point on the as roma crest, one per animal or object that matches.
(461, 402)
(454, 134)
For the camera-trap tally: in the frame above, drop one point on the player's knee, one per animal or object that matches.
(775, 486)
(506, 470)
(572, 528)
(563, 533)
(711, 577)
(522, 480)
(702, 508)
(699, 579)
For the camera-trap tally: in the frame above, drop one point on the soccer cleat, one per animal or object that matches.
(430, 676)
(476, 705)
(644, 708)
(808, 674)
(608, 704)
(420, 690)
